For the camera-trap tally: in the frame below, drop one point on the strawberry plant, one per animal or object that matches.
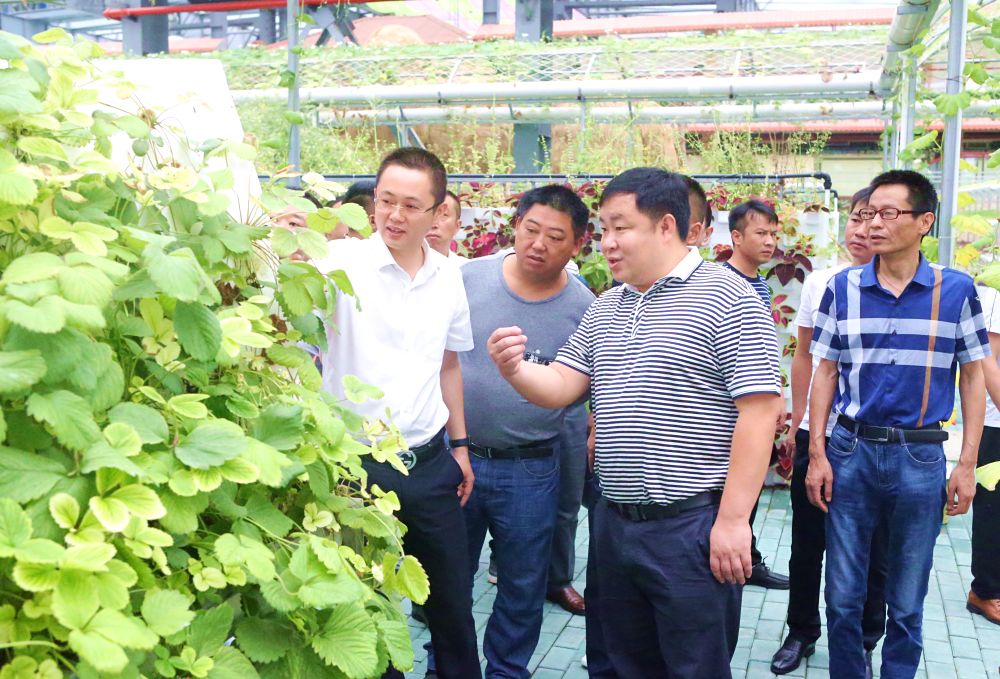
(177, 495)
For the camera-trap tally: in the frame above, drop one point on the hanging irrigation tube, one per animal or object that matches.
(951, 154)
(855, 86)
(569, 114)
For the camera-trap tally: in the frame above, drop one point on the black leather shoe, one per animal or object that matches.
(790, 655)
(762, 576)
(869, 673)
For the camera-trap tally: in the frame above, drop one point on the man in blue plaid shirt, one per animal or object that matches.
(891, 335)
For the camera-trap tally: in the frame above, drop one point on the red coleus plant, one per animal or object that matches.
(790, 265)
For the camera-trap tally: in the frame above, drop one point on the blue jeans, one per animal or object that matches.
(517, 501)
(902, 484)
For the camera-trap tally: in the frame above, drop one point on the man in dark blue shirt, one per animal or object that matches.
(891, 335)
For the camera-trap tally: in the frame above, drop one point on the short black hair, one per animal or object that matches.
(451, 194)
(365, 200)
(740, 215)
(923, 197)
(557, 197)
(861, 196)
(657, 193)
(414, 158)
(363, 187)
(695, 189)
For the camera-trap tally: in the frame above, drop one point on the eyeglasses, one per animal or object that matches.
(886, 213)
(405, 210)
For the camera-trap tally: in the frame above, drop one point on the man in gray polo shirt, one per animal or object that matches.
(682, 335)
(514, 444)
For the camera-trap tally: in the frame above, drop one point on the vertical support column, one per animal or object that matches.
(266, 26)
(220, 26)
(491, 11)
(294, 149)
(532, 142)
(145, 35)
(894, 140)
(952, 130)
(911, 112)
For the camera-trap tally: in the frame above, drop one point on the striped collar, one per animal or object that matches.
(681, 272)
(924, 275)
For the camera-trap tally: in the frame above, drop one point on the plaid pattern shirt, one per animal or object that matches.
(882, 346)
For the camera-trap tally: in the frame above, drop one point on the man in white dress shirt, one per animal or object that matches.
(403, 335)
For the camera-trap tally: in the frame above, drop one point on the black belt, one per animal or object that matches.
(931, 434)
(526, 452)
(414, 456)
(651, 512)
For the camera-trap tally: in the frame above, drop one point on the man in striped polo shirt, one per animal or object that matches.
(890, 335)
(682, 365)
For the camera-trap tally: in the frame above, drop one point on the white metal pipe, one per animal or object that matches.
(853, 85)
(568, 113)
(951, 154)
(912, 16)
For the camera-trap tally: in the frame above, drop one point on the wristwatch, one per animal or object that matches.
(460, 443)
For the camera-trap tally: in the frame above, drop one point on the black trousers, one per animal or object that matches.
(986, 524)
(598, 663)
(662, 613)
(436, 536)
(805, 566)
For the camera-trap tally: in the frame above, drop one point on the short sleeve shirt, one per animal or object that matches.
(812, 292)
(665, 367)
(394, 335)
(882, 344)
(990, 300)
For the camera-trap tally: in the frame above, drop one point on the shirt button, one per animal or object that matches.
(892, 362)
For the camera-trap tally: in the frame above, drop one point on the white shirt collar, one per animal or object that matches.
(383, 258)
(682, 271)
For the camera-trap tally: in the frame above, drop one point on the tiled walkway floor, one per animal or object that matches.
(958, 645)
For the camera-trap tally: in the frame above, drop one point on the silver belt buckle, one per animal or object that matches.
(408, 458)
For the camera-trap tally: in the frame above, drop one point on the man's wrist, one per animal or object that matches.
(460, 442)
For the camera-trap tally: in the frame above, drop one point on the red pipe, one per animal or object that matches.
(120, 13)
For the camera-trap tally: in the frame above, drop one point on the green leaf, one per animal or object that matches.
(37, 266)
(43, 147)
(177, 274)
(124, 438)
(211, 444)
(231, 664)
(68, 418)
(26, 476)
(103, 456)
(198, 330)
(269, 462)
(210, 629)
(16, 189)
(75, 599)
(20, 370)
(295, 118)
(140, 501)
(45, 316)
(122, 629)
(280, 426)
(15, 527)
(355, 216)
(131, 125)
(263, 640)
(988, 476)
(85, 285)
(35, 577)
(52, 35)
(111, 513)
(411, 579)
(166, 611)
(348, 641)
(357, 391)
(8, 50)
(189, 405)
(65, 510)
(951, 104)
(104, 655)
(92, 556)
(396, 636)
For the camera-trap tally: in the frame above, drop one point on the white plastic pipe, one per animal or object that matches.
(568, 113)
(912, 16)
(852, 85)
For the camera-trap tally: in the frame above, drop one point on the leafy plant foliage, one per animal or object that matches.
(177, 497)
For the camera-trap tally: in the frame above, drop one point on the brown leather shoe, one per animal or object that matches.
(569, 599)
(988, 608)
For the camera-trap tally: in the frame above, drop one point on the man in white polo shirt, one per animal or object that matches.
(402, 336)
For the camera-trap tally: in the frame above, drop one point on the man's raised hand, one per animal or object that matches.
(506, 347)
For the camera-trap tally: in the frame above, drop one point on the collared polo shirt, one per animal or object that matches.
(757, 282)
(397, 339)
(665, 367)
(881, 343)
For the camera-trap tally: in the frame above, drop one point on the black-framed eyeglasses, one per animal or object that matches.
(388, 206)
(886, 213)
